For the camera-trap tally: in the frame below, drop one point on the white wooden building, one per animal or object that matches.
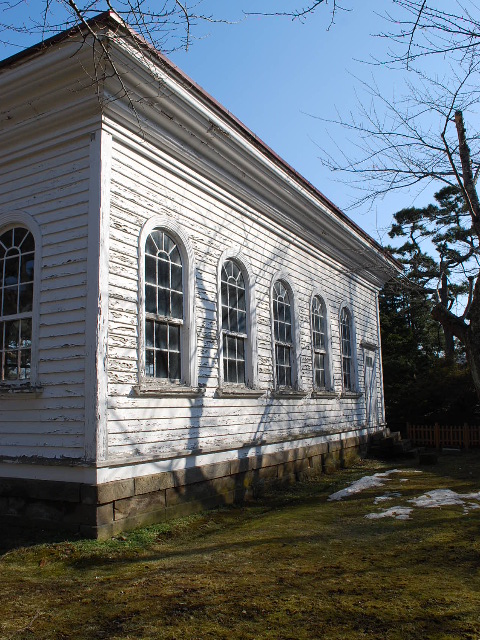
(182, 315)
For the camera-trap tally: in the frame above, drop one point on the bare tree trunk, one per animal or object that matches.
(468, 187)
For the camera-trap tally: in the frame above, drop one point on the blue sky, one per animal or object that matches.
(282, 77)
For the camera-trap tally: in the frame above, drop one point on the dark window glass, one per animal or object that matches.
(150, 270)
(163, 271)
(150, 299)
(163, 303)
(149, 327)
(176, 308)
(10, 301)
(176, 277)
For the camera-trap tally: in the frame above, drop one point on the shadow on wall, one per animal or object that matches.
(205, 429)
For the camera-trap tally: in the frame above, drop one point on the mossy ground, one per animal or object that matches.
(291, 566)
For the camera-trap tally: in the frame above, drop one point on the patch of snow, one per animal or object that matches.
(437, 498)
(432, 499)
(367, 482)
(445, 498)
(471, 496)
(389, 495)
(399, 513)
(470, 505)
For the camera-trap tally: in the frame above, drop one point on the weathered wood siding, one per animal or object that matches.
(49, 112)
(144, 185)
(51, 185)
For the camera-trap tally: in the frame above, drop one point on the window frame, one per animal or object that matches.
(353, 389)
(295, 360)
(10, 220)
(250, 387)
(370, 350)
(327, 352)
(188, 355)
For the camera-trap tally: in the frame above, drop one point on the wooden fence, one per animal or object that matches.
(459, 436)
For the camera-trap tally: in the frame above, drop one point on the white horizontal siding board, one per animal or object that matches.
(58, 289)
(21, 432)
(53, 293)
(51, 450)
(62, 231)
(72, 257)
(52, 377)
(59, 441)
(79, 245)
(11, 414)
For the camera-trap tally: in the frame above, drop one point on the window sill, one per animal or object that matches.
(325, 393)
(351, 394)
(289, 393)
(371, 346)
(12, 389)
(239, 392)
(153, 390)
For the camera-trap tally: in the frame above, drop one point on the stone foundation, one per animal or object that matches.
(101, 511)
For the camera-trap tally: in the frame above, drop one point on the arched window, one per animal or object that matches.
(319, 343)
(283, 335)
(17, 261)
(346, 336)
(164, 315)
(234, 323)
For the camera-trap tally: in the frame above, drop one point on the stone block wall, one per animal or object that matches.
(101, 511)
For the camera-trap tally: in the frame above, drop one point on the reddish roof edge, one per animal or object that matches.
(110, 18)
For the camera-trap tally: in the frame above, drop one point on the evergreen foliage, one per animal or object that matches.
(425, 373)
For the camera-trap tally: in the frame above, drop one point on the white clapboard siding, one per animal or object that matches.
(142, 187)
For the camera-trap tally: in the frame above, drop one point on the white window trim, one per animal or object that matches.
(189, 382)
(371, 349)
(251, 352)
(296, 388)
(355, 390)
(8, 220)
(329, 379)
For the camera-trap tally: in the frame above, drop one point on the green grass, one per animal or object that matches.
(292, 566)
